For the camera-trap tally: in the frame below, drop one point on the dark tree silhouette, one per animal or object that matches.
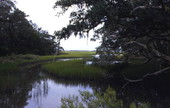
(20, 36)
(135, 27)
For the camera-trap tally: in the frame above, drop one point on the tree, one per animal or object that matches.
(6, 8)
(20, 36)
(135, 27)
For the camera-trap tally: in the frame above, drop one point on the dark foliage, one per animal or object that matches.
(134, 27)
(20, 36)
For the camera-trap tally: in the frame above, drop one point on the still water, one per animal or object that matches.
(47, 93)
(33, 88)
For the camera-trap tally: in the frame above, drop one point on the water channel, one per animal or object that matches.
(47, 92)
(33, 88)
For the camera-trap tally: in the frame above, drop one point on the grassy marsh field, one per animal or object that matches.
(74, 69)
(67, 69)
(11, 63)
(68, 54)
(32, 58)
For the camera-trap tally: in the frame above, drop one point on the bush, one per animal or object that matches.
(97, 100)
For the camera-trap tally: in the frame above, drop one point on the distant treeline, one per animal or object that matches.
(20, 36)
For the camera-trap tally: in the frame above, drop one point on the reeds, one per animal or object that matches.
(74, 69)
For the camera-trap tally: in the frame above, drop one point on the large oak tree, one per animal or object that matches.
(20, 36)
(134, 27)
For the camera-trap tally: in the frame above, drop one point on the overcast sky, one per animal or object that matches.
(42, 13)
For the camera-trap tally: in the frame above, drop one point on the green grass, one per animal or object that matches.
(69, 54)
(74, 69)
(83, 54)
(11, 63)
(18, 58)
(8, 67)
(28, 58)
(5, 74)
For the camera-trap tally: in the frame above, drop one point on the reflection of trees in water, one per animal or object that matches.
(156, 93)
(39, 91)
(35, 85)
(72, 82)
(14, 92)
(13, 97)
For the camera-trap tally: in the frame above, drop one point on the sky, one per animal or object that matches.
(42, 13)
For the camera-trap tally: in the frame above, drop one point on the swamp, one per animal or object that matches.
(124, 63)
(66, 81)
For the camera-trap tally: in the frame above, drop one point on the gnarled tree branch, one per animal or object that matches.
(145, 76)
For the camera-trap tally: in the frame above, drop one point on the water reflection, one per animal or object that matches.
(35, 89)
(67, 59)
(89, 62)
(14, 90)
(39, 90)
(47, 93)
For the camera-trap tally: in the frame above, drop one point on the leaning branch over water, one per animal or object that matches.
(147, 75)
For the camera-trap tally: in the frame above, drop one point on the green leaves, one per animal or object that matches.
(20, 36)
(98, 100)
(119, 22)
(71, 102)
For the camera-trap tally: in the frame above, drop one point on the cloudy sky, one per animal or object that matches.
(42, 13)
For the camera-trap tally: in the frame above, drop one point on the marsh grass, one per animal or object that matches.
(8, 63)
(11, 63)
(18, 58)
(74, 69)
(7, 67)
(69, 54)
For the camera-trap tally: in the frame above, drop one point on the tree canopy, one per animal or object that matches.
(134, 27)
(20, 36)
